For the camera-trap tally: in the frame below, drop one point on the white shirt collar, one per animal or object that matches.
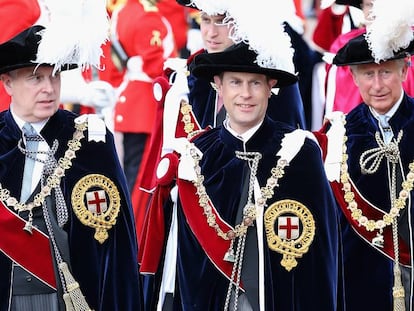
(246, 135)
(38, 126)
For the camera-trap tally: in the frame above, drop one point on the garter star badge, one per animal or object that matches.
(96, 202)
(290, 229)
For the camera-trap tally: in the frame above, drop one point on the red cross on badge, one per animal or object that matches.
(288, 227)
(96, 201)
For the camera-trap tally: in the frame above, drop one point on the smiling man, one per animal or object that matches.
(216, 31)
(245, 97)
(256, 220)
(380, 85)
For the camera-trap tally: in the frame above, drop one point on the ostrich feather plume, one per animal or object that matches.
(211, 7)
(262, 28)
(391, 27)
(74, 33)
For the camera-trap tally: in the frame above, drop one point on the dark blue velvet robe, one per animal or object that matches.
(108, 272)
(369, 273)
(286, 106)
(314, 284)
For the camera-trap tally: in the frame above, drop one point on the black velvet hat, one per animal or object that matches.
(357, 51)
(210, 7)
(238, 58)
(21, 51)
(355, 3)
(186, 3)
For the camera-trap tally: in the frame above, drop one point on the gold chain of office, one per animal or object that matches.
(250, 214)
(240, 229)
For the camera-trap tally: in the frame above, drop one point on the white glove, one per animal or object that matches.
(102, 94)
(74, 89)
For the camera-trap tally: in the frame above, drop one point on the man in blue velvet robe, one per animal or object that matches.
(72, 241)
(372, 178)
(255, 225)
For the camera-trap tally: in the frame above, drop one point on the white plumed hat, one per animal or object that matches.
(391, 28)
(260, 25)
(74, 34)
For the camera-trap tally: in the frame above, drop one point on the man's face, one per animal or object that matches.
(380, 85)
(215, 35)
(35, 95)
(245, 97)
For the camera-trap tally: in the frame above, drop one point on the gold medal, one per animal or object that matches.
(290, 229)
(96, 203)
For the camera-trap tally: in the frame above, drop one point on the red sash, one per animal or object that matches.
(214, 246)
(375, 214)
(31, 251)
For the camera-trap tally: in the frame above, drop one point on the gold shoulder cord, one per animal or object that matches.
(149, 6)
(372, 158)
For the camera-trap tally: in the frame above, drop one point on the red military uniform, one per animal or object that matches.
(109, 72)
(28, 12)
(147, 41)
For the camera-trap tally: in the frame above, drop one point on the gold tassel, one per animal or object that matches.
(398, 290)
(74, 299)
